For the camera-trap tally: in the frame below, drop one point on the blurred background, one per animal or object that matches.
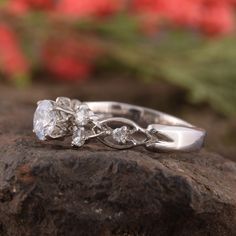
(178, 56)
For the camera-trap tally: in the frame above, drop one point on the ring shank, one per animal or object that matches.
(184, 136)
(141, 115)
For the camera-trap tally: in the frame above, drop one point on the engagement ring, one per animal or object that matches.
(117, 125)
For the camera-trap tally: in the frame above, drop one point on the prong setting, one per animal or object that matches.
(76, 119)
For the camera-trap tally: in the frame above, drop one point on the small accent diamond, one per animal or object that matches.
(79, 137)
(63, 102)
(75, 103)
(83, 115)
(120, 134)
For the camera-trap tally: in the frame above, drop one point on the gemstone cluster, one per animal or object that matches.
(65, 117)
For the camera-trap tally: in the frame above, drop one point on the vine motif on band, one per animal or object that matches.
(66, 117)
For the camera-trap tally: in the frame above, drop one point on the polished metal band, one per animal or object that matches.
(118, 125)
(173, 134)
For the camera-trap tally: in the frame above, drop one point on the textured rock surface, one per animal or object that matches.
(51, 189)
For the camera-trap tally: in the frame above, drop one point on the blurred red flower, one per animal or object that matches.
(217, 19)
(213, 17)
(184, 12)
(86, 8)
(17, 7)
(12, 60)
(21, 7)
(69, 57)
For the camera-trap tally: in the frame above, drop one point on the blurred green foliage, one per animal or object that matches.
(206, 67)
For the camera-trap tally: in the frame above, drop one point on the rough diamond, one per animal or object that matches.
(44, 119)
(120, 134)
(83, 115)
(79, 137)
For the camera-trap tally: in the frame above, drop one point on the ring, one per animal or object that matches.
(117, 125)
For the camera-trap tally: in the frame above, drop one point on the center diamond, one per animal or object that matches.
(44, 119)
